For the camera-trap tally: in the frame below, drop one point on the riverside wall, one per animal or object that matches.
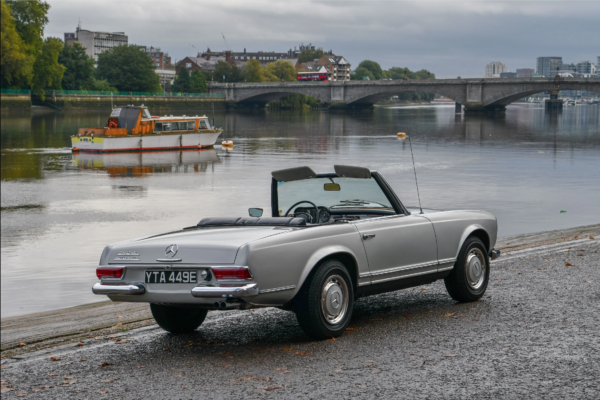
(15, 102)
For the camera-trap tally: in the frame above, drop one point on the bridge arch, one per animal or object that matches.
(386, 92)
(502, 99)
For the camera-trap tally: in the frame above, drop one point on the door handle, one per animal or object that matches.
(368, 236)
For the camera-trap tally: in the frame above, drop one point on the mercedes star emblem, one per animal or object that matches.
(171, 251)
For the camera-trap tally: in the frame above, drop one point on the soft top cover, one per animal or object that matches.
(293, 174)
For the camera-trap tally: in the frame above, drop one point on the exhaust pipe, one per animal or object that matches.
(223, 305)
(217, 305)
(220, 305)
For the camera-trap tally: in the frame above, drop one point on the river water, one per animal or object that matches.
(533, 169)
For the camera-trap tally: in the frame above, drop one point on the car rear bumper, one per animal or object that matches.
(230, 292)
(119, 290)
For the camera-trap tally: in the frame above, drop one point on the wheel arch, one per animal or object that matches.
(477, 231)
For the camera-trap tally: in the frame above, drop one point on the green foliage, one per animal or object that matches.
(372, 67)
(401, 73)
(183, 81)
(254, 72)
(222, 72)
(79, 73)
(237, 74)
(47, 72)
(280, 70)
(101, 85)
(15, 63)
(197, 82)
(310, 55)
(128, 68)
(359, 74)
(208, 76)
(31, 16)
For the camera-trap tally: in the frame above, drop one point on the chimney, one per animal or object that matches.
(244, 50)
(228, 56)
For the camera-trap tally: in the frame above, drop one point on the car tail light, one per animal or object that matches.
(110, 272)
(231, 273)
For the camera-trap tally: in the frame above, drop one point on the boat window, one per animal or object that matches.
(146, 114)
(158, 127)
(115, 112)
(191, 125)
(166, 127)
(203, 124)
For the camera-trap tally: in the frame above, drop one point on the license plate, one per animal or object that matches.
(171, 276)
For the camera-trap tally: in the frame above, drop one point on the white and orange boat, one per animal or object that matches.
(132, 128)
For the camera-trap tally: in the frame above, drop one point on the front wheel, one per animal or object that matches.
(325, 304)
(469, 278)
(178, 319)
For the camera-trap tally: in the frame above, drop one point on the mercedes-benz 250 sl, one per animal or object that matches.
(331, 238)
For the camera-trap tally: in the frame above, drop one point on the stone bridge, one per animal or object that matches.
(475, 94)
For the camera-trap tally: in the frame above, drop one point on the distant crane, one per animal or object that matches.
(225, 40)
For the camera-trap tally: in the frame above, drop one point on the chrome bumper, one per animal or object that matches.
(234, 292)
(116, 290)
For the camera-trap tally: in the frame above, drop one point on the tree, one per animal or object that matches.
(360, 73)
(280, 70)
(237, 74)
(15, 63)
(31, 16)
(373, 67)
(254, 72)
(222, 72)
(47, 72)
(102, 85)
(183, 82)
(307, 55)
(128, 68)
(79, 73)
(197, 82)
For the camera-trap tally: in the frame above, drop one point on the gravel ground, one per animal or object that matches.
(534, 335)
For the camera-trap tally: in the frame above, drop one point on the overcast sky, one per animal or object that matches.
(448, 37)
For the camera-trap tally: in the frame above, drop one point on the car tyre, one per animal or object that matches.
(325, 303)
(469, 279)
(178, 319)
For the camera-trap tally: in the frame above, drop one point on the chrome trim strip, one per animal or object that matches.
(364, 283)
(169, 260)
(226, 291)
(279, 289)
(399, 269)
(136, 288)
(405, 276)
(445, 269)
(447, 260)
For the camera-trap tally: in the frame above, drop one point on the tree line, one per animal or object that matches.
(373, 71)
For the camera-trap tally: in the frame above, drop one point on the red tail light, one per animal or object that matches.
(231, 273)
(109, 272)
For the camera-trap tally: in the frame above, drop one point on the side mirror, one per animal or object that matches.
(255, 212)
(331, 187)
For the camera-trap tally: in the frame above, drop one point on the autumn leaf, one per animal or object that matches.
(447, 315)
(228, 356)
(302, 353)
(105, 364)
(288, 349)
(52, 375)
(592, 238)
(269, 388)
(80, 344)
(265, 379)
(119, 325)
(351, 329)
(67, 377)
(119, 316)
(21, 344)
(99, 338)
(53, 358)
(103, 392)
(82, 360)
(106, 380)
(331, 340)
(376, 319)
(226, 365)
(576, 237)
(568, 265)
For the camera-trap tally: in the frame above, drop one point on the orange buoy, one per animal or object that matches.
(227, 143)
(401, 135)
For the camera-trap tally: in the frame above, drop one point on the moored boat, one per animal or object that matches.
(132, 128)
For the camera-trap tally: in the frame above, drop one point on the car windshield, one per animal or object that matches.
(334, 193)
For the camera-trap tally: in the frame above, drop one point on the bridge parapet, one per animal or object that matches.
(475, 94)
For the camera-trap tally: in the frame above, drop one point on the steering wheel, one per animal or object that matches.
(304, 201)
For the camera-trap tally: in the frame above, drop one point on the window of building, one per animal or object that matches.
(188, 65)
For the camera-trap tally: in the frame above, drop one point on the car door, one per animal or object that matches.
(398, 247)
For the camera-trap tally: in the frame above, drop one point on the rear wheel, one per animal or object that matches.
(469, 278)
(324, 306)
(178, 319)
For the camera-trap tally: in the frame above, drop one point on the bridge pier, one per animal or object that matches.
(457, 108)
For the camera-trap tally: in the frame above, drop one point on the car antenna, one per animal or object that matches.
(415, 171)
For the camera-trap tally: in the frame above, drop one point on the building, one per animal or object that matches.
(508, 74)
(206, 63)
(167, 76)
(494, 69)
(548, 66)
(241, 57)
(525, 72)
(339, 68)
(96, 42)
(585, 67)
(312, 66)
(156, 55)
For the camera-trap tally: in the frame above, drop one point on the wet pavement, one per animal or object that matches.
(534, 334)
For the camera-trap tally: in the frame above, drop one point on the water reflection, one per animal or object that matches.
(139, 164)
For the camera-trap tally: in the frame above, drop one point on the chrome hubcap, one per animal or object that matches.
(476, 268)
(334, 299)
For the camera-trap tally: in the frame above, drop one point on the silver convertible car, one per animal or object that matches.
(331, 238)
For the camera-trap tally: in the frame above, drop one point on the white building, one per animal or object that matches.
(96, 42)
(494, 69)
(167, 76)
